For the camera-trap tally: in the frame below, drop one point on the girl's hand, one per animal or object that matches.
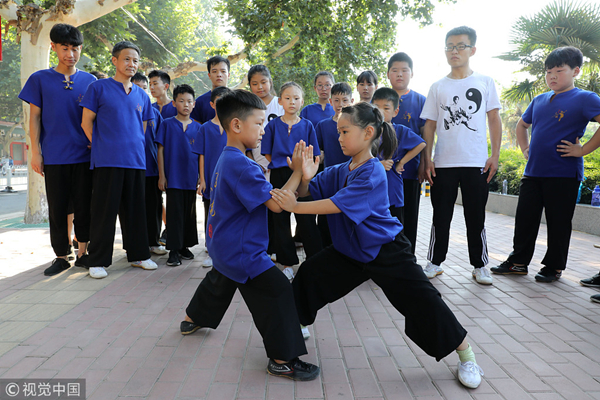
(570, 149)
(286, 199)
(310, 166)
(297, 156)
(387, 164)
(399, 168)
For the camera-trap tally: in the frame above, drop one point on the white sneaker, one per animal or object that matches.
(146, 264)
(469, 374)
(207, 263)
(289, 273)
(305, 332)
(432, 270)
(482, 275)
(160, 250)
(98, 272)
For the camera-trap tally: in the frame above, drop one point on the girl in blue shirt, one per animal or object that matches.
(367, 243)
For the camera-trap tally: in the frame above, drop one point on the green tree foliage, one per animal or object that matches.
(563, 23)
(10, 84)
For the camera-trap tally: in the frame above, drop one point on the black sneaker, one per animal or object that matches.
(296, 370)
(594, 281)
(595, 298)
(186, 254)
(173, 260)
(508, 268)
(188, 327)
(547, 274)
(58, 265)
(82, 261)
(163, 238)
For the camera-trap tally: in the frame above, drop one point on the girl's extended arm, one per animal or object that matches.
(310, 166)
(292, 184)
(286, 199)
(409, 156)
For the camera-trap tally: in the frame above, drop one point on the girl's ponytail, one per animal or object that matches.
(365, 114)
(388, 142)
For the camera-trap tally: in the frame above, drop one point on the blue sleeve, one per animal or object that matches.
(319, 184)
(304, 113)
(198, 147)
(319, 132)
(353, 200)
(148, 114)
(252, 189)
(591, 106)
(527, 115)
(161, 134)
(312, 139)
(31, 92)
(408, 141)
(266, 144)
(90, 98)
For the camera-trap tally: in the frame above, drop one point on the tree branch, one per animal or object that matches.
(8, 10)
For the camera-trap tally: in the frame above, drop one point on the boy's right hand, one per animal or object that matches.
(430, 171)
(162, 183)
(387, 164)
(37, 163)
(201, 187)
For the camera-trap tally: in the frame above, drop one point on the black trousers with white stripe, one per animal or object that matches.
(474, 189)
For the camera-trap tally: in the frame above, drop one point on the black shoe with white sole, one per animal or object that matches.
(296, 370)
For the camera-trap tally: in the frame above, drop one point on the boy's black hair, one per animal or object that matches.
(568, 55)
(181, 89)
(387, 94)
(125, 44)
(367, 77)
(218, 92)
(341, 88)
(463, 30)
(162, 75)
(400, 57)
(66, 34)
(239, 104)
(324, 73)
(139, 77)
(217, 60)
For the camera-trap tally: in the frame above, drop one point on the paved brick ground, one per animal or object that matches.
(121, 334)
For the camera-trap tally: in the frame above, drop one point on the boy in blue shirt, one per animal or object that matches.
(400, 72)
(554, 165)
(218, 73)
(153, 195)
(237, 241)
(160, 82)
(178, 175)
(409, 146)
(209, 145)
(59, 147)
(115, 115)
(320, 110)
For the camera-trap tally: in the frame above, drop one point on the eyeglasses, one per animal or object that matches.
(320, 87)
(460, 47)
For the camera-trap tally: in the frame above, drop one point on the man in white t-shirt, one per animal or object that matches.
(456, 108)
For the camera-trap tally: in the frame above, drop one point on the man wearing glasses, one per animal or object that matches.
(456, 109)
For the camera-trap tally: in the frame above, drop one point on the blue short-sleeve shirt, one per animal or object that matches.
(365, 223)
(563, 117)
(237, 235)
(151, 150)
(279, 142)
(410, 108)
(315, 113)
(168, 110)
(61, 137)
(210, 143)
(181, 165)
(327, 137)
(118, 137)
(202, 111)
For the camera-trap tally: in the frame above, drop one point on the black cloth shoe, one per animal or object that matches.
(508, 268)
(547, 274)
(173, 260)
(188, 327)
(296, 370)
(58, 265)
(186, 254)
(594, 281)
(595, 298)
(82, 261)
(163, 238)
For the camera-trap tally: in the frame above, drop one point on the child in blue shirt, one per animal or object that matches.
(281, 134)
(366, 85)
(59, 147)
(178, 175)
(367, 244)
(153, 195)
(209, 145)
(237, 241)
(554, 167)
(115, 115)
(400, 72)
(160, 82)
(218, 73)
(409, 146)
(320, 110)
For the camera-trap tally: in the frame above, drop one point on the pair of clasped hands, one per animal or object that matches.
(304, 166)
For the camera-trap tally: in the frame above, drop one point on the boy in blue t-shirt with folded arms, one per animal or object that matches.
(554, 167)
(115, 115)
(178, 175)
(238, 238)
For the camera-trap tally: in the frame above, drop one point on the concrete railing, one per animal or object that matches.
(586, 218)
